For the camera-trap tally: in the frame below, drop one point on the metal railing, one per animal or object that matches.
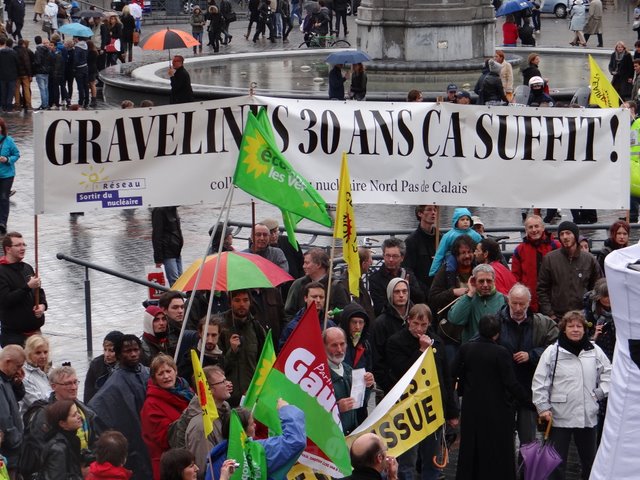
(87, 289)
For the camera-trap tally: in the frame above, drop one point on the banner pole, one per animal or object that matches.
(204, 258)
(329, 282)
(36, 296)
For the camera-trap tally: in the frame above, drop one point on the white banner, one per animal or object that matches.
(406, 153)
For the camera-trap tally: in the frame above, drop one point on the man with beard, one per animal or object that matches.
(527, 257)
(241, 341)
(566, 275)
(212, 353)
(481, 299)
(335, 345)
(154, 334)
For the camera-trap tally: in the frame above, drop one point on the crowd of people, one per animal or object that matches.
(510, 337)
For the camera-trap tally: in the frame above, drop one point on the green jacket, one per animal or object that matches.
(468, 311)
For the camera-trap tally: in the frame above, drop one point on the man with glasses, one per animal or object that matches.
(22, 300)
(370, 460)
(194, 438)
(393, 252)
(64, 383)
(261, 246)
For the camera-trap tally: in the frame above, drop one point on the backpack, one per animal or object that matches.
(34, 441)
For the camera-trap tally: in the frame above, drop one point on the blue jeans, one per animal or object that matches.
(7, 91)
(296, 12)
(82, 81)
(5, 190)
(42, 79)
(173, 269)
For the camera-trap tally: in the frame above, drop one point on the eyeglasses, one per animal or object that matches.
(218, 383)
(393, 256)
(72, 383)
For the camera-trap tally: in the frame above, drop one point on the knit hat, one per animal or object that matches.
(153, 310)
(113, 336)
(494, 66)
(572, 227)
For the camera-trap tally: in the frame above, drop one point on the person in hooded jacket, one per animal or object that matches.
(618, 238)
(167, 397)
(61, 455)
(390, 321)
(155, 334)
(537, 97)
(492, 88)
(356, 324)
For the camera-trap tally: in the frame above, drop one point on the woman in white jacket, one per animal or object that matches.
(36, 383)
(571, 377)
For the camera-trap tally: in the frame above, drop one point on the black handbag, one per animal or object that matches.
(230, 17)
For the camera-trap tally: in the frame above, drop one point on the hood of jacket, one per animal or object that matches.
(458, 213)
(353, 310)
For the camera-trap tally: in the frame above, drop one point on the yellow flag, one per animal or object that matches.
(209, 409)
(345, 228)
(602, 92)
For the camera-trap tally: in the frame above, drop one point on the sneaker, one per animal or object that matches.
(536, 31)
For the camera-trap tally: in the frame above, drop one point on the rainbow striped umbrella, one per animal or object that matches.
(237, 270)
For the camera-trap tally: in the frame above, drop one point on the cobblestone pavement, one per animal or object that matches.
(121, 240)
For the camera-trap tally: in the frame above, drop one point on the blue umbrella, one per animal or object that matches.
(348, 56)
(512, 7)
(76, 30)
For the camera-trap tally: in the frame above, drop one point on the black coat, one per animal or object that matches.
(379, 280)
(181, 91)
(492, 89)
(166, 234)
(403, 349)
(17, 300)
(488, 385)
(8, 64)
(421, 248)
(62, 456)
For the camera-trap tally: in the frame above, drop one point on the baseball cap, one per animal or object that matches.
(464, 94)
(452, 87)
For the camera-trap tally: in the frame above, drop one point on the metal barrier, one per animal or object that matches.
(87, 289)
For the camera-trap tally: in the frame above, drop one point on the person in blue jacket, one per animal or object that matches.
(280, 451)
(460, 225)
(9, 155)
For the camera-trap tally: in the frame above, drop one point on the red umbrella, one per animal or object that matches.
(168, 39)
(238, 270)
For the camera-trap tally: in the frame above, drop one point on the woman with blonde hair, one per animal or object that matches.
(621, 67)
(36, 383)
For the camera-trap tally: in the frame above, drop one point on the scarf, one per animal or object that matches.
(574, 347)
(182, 389)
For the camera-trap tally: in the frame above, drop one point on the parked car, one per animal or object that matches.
(560, 8)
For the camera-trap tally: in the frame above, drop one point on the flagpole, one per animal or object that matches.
(437, 226)
(215, 273)
(329, 282)
(253, 226)
(199, 275)
(36, 296)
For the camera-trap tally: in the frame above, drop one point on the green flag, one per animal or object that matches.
(263, 172)
(264, 366)
(248, 454)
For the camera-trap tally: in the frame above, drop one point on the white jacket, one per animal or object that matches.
(578, 384)
(36, 385)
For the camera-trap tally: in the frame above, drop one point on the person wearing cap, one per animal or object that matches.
(566, 274)
(478, 225)
(452, 89)
(463, 97)
(155, 334)
(537, 97)
(102, 366)
(294, 257)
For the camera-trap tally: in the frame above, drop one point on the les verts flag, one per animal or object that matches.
(248, 454)
(262, 171)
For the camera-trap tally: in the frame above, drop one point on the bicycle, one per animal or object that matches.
(324, 41)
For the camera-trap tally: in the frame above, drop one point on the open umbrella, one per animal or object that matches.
(349, 56)
(539, 458)
(90, 14)
(238, 270)
(168, 39)
(512, 7)
(76, 30)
